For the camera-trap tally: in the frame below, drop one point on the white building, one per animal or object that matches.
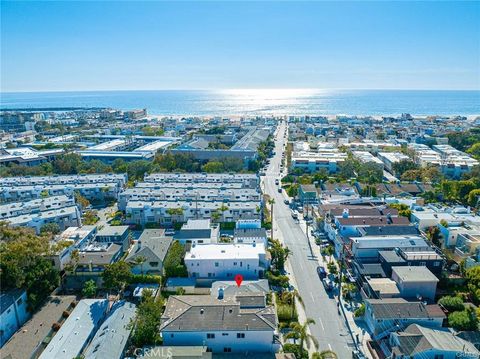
(237, 324)
(224, 261)
(327, 159)
(36, 213)
(390, 158)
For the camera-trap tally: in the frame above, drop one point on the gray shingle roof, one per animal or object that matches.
(397, 308)
(203, 313)
(152, 244)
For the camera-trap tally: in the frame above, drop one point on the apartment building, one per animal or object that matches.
(93, 187)
(141, 213)
(61, 210)
(326, 159)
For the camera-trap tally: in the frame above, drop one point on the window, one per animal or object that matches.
(240, 335)
(436, 264)
(210, 336)
(171, 335)
(423, 264)
(234, 263)
(227, 350)
(216, 264)
(224, 334)
(19, 301)
(438, 356)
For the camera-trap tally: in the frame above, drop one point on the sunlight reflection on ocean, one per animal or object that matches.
(259, 101)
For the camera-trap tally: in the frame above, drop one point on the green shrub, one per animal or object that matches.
(451, 303)
(463, 320)
(360, 311)
(295, 349)
(146, 278)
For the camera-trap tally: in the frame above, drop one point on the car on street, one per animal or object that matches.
(286, 202)
(295, 215)
(277, 182)
(328, 284)
(169, 232)
(279, 189)
(322, 273)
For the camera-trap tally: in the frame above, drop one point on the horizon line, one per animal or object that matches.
(243, 89)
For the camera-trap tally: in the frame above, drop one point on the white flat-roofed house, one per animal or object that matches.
(233, 324)
(224, 261)
(365, 157)
(415, 282)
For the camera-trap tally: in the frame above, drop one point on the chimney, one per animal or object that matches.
(220, 293)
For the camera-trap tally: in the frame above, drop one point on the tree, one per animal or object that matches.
(463, 320)
(22, 264)
(213, 167)
(279, 255)
(300, 331)
(399, 168)
(290, 297)
(89, 289)
(116, 275)
(44, 194)
(474, 198)
(173, 265)
(82, 201)
(147, 322)
(50, 228)
(472, 275)
(403, 209)
(433, 234)
(90, 217)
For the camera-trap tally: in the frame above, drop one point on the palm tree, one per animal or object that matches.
(300, 331)
(271, 202)
(140, 260)
(325, 354)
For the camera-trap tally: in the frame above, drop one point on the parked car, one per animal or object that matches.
(277, 182)
(322, 273)
(328, 284)
(169, 232)
(286, 202)
(279, 189)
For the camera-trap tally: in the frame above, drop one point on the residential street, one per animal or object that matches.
(330, 328)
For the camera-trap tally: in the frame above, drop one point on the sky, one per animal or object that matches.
(92, 45)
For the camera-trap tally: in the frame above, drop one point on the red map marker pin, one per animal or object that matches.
(239, 279)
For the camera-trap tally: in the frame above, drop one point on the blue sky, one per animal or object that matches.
(55, 46)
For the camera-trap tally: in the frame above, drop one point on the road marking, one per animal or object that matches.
(329, 346)
(321, 323)
(313, 299)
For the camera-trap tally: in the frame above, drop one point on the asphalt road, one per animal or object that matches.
(330, 328)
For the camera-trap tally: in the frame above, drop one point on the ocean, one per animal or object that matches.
(258, 102)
